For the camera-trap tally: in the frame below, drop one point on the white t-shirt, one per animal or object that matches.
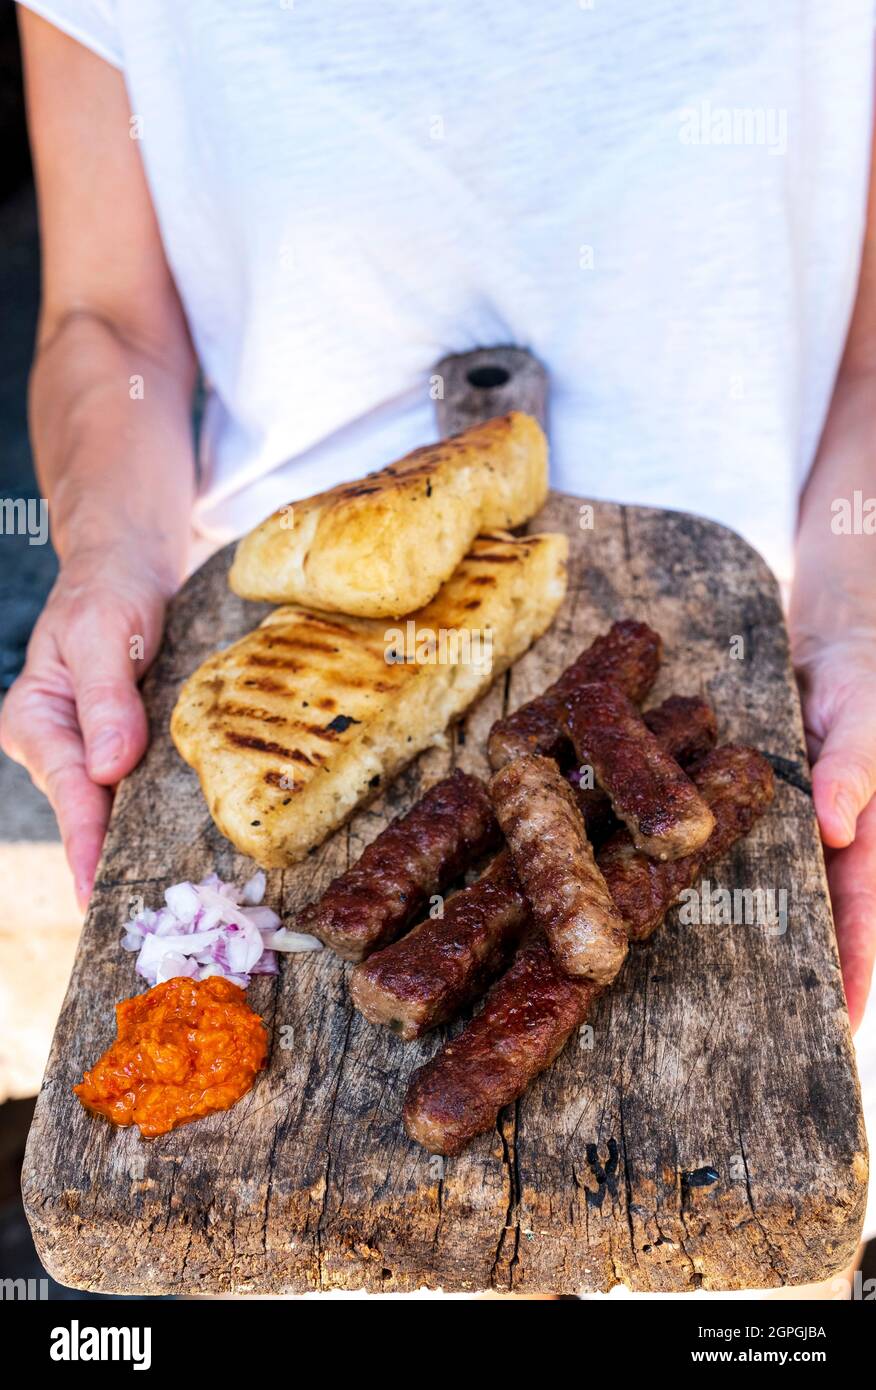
(664, 200)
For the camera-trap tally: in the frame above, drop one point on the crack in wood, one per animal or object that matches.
(791, 772)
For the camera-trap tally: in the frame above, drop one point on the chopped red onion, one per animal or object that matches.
(211, 928)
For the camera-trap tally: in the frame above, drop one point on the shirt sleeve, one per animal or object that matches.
(90, 22)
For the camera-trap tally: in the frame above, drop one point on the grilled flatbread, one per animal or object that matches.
(292, 727)
(384, 545)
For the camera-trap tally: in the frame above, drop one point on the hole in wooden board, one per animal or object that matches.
(485, 377)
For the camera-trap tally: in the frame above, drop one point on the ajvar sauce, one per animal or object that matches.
(184, 1049)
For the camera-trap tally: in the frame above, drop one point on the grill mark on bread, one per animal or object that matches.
(263, 716)
(272, 663)
(271, 638)
(310, 621)
(355, 682)
(281, 780)
(255, 712)
(265, 684)
(263, 745)
(301, 644)
(338, 677)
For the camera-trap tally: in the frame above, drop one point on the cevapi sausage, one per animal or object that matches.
(534, 1008)
(525, 1023)
(446, 962)
(649, 792)
(554, 860)
(685, 725)
(687, 728)
(738, 785)
(417, 855)
(628, 654)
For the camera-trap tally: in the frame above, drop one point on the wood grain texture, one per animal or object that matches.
(712, 1136)
(489, 381)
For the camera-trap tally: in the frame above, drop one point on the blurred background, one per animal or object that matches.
(39, 929)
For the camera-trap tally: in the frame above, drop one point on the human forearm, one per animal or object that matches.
(110, 414)
(834, 591)
(833, 635)
(111, 428)
(117, 468)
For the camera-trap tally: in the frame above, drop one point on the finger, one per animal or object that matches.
(852, 878)
(83, 811)
(40, 729)
(108, 705)
(844, 777)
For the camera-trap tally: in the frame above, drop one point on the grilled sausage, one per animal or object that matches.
(686, 727)
(533, 1009)
(629, 654)
(524, 1025)
(738, 785)
(554, 861)
(446, 962)
(417, 855)
(660, 806)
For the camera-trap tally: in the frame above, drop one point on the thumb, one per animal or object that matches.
(109, 711)
(844, 777)
(852, 877)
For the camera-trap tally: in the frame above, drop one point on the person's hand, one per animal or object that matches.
(838, 684)
(74, 717)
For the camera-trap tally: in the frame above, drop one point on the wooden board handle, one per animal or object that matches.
(489, 381)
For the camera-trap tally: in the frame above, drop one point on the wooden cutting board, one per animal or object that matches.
(708, 1134)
